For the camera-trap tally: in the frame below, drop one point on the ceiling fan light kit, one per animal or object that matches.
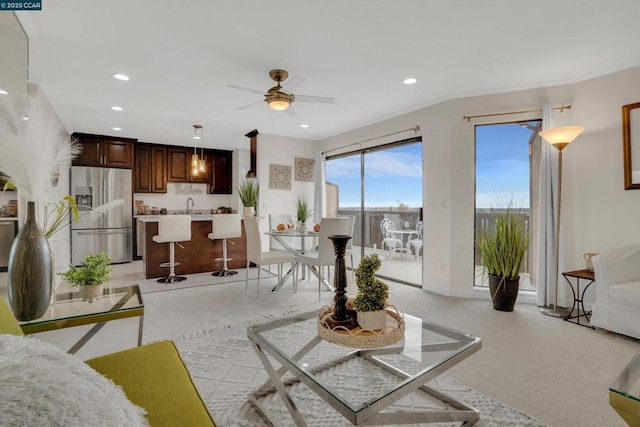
(279, 97)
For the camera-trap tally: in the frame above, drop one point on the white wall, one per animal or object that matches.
(598, 214)
(280, 150)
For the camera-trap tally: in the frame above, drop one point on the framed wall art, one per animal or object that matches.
(304, 169)
(280, 177)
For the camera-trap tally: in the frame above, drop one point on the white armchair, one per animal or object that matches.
(617, 304)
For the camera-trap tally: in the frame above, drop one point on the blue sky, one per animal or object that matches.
(391, 175)
(502, 165)
(395, 175)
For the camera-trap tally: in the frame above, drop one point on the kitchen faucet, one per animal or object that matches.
(192, 204)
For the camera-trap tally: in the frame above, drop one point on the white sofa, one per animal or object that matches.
(617, 304)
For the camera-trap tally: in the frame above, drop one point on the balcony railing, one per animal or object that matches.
(373, 216)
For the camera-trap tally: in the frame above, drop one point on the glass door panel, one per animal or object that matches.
(379, 184)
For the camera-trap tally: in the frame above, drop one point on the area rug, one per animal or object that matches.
(226, 369)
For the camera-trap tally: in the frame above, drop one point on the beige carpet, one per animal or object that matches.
(554, 371)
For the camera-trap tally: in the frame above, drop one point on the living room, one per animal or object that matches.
(566, 367)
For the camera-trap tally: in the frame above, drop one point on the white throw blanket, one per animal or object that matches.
(41, 385)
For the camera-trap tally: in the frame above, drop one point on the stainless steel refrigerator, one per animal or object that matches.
(103, 196)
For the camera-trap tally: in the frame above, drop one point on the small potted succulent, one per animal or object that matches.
(303, 213)
(91, 276)
(371, 301)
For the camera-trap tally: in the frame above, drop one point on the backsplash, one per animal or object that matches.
(178, 193)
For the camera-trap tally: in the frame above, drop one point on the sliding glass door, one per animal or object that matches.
(382, 187)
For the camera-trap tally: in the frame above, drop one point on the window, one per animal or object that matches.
(503, 178)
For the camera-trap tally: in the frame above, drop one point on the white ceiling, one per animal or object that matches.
(180, 56)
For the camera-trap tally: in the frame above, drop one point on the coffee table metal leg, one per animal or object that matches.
(140, 326)
(86, 337)
(282, 391)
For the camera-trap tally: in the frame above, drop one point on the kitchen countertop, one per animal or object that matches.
(194, 217)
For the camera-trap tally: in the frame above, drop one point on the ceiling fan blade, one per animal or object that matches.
(316, 99)
(291, 112)
(259, 92)
(292, 84)
(244, 107)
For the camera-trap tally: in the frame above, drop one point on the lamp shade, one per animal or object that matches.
(279, 104)
(562, 136)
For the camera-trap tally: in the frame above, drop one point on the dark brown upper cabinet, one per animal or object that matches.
(104, 151)
(178, 160)
(150, 169)
(219, 171)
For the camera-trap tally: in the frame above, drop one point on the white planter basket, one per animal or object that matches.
(372, 320)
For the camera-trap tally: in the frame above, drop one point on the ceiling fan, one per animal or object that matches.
(280, 97)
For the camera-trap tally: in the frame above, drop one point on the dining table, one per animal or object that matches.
(404, 236)
(283, 237)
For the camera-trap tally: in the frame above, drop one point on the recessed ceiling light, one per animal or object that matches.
(409, 81)
(304, 126)
(116, 108)
(3, 92)
(117, 129)
(122, 77)
(24, 118)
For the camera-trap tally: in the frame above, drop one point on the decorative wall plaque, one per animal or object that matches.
(188, 190)
(280, 177)
(304, 169)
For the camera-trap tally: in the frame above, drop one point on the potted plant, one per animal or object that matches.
(91, 276)
(248, 192)
(303, 213)
(502, 251)
(371, 300)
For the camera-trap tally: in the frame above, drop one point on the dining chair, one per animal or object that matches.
(389, 238)
(416, 243)
(274, 245)
(325, 256)
(351, 220)
(257, 256)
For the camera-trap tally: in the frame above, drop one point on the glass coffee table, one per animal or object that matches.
(624, 393)
(365, 386)
(68, 310)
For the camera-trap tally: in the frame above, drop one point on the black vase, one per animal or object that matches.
(30, 270)
(504, 292)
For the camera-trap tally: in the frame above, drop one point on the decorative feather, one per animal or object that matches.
(32, 151)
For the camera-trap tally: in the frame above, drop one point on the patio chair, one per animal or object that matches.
(389, 238)
(416, 243)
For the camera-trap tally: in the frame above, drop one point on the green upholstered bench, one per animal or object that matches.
(152, 376)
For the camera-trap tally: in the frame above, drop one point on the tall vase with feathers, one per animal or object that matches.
(30, 270)
(32, 153)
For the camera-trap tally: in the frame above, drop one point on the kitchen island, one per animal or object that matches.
(198, 255)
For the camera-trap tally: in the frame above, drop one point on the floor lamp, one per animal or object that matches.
(559, 138)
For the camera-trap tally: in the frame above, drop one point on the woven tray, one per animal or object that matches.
(358, 337)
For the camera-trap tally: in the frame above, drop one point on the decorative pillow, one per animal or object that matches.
(41, 385)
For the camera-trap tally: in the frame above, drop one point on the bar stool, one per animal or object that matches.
(225, 226)
(173, 229)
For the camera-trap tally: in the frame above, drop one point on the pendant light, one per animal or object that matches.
(196, 163)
